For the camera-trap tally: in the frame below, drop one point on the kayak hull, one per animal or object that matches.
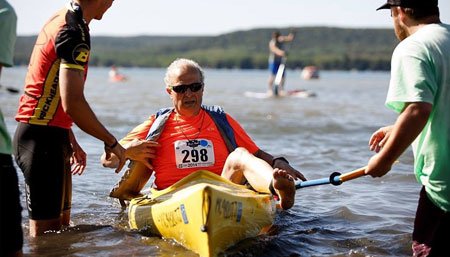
(203, 212)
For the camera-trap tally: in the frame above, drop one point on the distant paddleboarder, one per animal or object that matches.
(276, 56)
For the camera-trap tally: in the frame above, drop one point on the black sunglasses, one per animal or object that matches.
(181, 89)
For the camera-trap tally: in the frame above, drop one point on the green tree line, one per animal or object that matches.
(328, 48)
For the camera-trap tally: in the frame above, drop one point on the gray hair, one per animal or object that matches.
(182, 63)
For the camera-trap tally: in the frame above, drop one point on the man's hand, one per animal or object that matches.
(78, 159)
(377, 167)
(283, 165)
(379, 138)
(119, 152)
(142, 151)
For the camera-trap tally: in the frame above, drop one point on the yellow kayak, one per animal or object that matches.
(203, 212)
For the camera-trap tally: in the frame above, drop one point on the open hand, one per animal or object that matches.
(78, 159)
(379, 138)
(142, 151)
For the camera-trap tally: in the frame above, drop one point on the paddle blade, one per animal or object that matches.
(12, 90)
(279, 75)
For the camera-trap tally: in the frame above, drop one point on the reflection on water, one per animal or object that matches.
(320, 135)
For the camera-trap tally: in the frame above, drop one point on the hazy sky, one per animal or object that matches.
(213, 17)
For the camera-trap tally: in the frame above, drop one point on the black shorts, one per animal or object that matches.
(11, 236)
(43, 154)
(431, 229)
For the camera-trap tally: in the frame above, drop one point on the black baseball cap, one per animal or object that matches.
(410, 4)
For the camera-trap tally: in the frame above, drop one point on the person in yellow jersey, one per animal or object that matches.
(45, 146)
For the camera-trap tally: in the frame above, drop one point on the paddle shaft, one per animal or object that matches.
(335, 179)
(353, 174)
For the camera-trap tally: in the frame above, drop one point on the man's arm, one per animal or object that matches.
(275, 49)
(71, 82)
(288, 38)
(279, 163)
(408, 126)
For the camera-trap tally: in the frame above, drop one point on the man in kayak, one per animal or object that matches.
(178, 141)
(419, 91)
(45, 146)
(275, 57)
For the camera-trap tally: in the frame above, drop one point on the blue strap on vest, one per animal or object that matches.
(217, 114)
(220, 119)
(158, 125)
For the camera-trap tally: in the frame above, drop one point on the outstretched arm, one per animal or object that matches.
(408, 126)
(288, 38)
(74, 103)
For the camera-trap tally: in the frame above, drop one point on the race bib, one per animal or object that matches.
(194, 153)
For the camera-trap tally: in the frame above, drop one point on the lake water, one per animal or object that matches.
(320, 135)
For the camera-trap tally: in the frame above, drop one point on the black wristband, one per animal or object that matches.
(113, 145)
(279, 158)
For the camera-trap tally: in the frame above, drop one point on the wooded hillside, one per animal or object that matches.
(326, 47)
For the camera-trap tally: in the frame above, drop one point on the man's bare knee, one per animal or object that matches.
(237, 158)
(239, 153)
(235, 165)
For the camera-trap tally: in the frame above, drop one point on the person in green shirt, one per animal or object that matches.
(11, 235)
(419, 91)
(8, 24)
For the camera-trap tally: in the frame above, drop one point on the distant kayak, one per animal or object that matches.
(298, 93)
(310, 72)
(118, 78)
(115, 76)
